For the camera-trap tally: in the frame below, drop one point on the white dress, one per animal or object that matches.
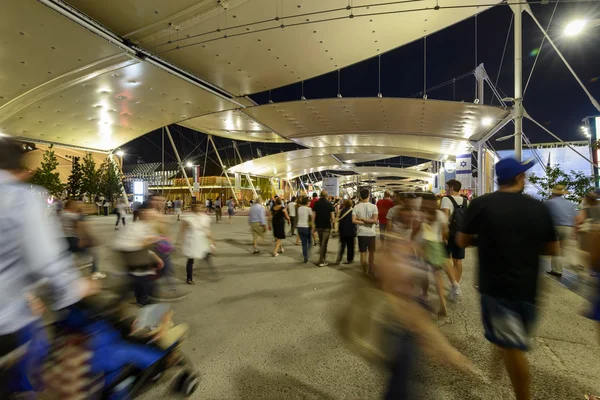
(196, 243)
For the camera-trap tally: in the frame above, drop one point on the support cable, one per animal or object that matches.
(425, 67)
(526, 115)
(587, 92)
(539, 50)
(379, 80)
(512, 17)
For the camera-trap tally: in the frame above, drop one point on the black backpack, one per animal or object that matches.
(458, 216)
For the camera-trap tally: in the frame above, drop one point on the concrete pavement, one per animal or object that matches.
(264, 330)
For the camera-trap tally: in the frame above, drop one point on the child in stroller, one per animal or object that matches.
(99, 353)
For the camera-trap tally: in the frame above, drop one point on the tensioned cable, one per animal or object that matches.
(540, 49)
(344, 17)
(453, 80)
(512, 17)
(378, 77)
(425, 67)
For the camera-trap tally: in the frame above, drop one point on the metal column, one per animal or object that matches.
(179, 161)
(517, 9)
(480, 169)
(480, 75)
(223, 167)
(247, 175)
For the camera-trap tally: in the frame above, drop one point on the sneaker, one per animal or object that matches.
(305, 260)
(98, 275)
(323, 264)
(256, 251)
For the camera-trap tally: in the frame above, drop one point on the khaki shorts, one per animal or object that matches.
(258, 231)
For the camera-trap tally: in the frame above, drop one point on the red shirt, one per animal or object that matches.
(383, 206)
(313, 201)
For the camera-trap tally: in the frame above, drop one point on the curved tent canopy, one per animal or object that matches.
(248, 46)
(61, 83)
(292, 164)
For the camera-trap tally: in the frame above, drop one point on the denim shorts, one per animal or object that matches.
(507, 323)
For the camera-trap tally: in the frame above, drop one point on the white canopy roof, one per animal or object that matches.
(248, 46)
(59, 82)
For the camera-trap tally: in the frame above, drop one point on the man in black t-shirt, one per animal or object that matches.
(512, 230)
(323, 219)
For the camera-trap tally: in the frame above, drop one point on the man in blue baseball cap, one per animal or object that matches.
(511, 231)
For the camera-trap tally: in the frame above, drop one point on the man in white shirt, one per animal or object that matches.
(365, 216)
(449, 205)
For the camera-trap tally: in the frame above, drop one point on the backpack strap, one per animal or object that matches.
(454, 203)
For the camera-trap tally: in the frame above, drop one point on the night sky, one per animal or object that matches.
(553, 97)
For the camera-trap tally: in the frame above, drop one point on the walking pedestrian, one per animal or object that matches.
(347, 231)
(120, 211)
(198, 243)
(383, 206)
(315, 198)
(512, 231)
(323, 220)
(455, 207)
(433, 230)
(230, 208)
(258, 223)
(141, 264)
(105, 205)
(218, 213)
(365, 216)
(135, 207)
(77, 235)
(30, 252)
(563, 214)
(178, 205)
(305, 226)
(278, 217)
(291, 209)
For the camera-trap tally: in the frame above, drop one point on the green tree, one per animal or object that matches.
(75, 179)
(89, 177)
(46, 176)
(110, 182)
(577, 183)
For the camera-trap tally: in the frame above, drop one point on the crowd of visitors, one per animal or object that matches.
(421, 236)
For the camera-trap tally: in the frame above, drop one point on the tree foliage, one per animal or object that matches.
(110, 182)
(576, 182)
(90, 182)
(46, 176)
(75, 179)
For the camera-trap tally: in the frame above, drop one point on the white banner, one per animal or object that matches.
(464, 173)
(331, 186)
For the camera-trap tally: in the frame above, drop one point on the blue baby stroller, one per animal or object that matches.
(95, 356)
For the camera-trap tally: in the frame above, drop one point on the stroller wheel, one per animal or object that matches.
(156, 377)
(180, 381)
(191, 384)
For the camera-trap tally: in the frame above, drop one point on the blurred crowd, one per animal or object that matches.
(405, 242)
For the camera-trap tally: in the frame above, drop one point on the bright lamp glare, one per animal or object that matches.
(486, 121)
(189, 164)
(120, 153)
(574, 28)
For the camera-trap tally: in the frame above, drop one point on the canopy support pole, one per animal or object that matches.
(181, 166)
(210, 138)
(517, 9)
(480, 169)
(237, 151)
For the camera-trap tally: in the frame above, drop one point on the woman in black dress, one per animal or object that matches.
(278, 217)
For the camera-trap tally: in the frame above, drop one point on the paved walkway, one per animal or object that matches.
(263, 329)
